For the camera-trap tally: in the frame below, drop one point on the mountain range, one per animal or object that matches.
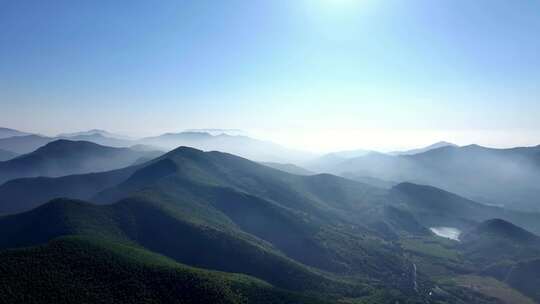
(63, 157)
(437, 145)
(237, 144)
(6, 132)
(318, 235)
(504, 177)
(88, 223)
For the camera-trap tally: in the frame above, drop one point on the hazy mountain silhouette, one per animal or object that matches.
(63, 157)
(436, 145)
(24, 144)
(436, 207)
(505, 177)
(103, 133)
(289, 168)
(6, 132)
(244, 146)
(7, 155)
(101, 139)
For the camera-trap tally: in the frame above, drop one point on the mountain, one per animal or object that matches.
(350, 153)
(523, 276)
(5, 133)
(326, 162)
(232, 132)
(101, 139)
(322, 235)
(289, 168)
(505, 177)
(157, 227)
(434, 207)
(90, 270)
(372, 181)
(24, 144)
(285, 229)
(502, 229)
(15, 197)
(63, 157)
(437, 145)
(7, 155)
(94, 132)
(496, 246)
(244, 146)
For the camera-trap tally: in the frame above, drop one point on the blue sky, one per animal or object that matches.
(313, 74)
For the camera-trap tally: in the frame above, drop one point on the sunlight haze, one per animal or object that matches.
(313, 75)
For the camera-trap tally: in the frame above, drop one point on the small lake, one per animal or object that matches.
(447, 232)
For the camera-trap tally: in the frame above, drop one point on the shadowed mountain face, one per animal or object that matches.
(505, 177)
(15, 197)
(63, 157)
(522, 275)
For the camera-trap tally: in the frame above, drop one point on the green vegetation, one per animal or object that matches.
(88, 270)
(321, 236)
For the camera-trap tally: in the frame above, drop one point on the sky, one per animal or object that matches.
(320, 75)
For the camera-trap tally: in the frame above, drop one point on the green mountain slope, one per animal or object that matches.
(89, 270)
(159, 228)
(304, 217)
(319, 234)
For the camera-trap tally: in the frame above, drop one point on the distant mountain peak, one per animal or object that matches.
(7, 132)
(437, 145)
(216, 132)
(94, 132)
(184, 149)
